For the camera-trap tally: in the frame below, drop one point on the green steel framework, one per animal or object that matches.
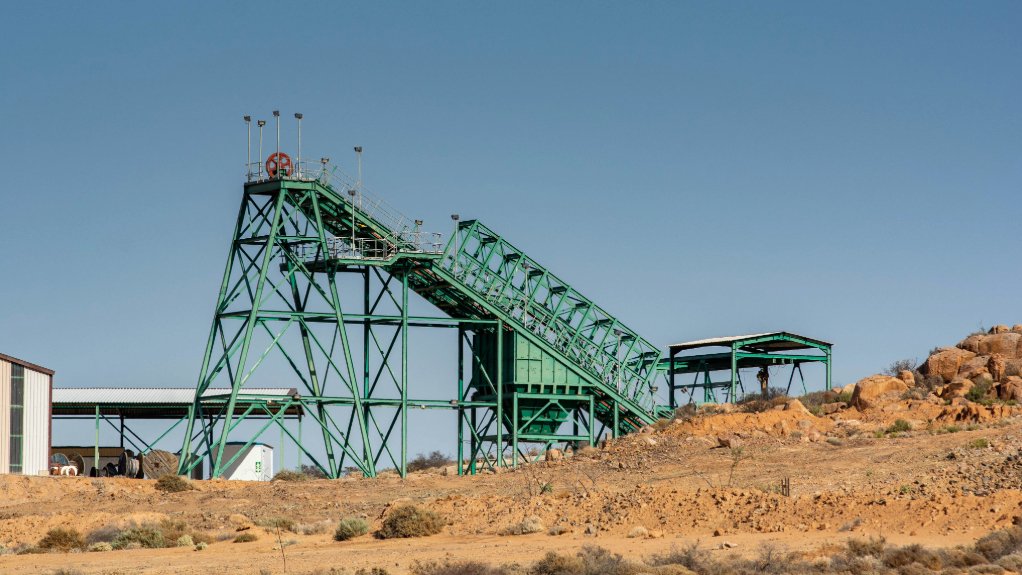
(761, 350)
(319, 281)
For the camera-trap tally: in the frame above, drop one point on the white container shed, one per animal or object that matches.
(26, 392)
(254, 464)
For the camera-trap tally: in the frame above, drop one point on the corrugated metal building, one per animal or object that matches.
(25, 398)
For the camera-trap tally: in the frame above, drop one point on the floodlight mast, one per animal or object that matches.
(276, 116)
(248, 156)
(261, 123)
(351, 194)
(455, 218)
(298, 116)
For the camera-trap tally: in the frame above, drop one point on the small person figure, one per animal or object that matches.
(764, 381)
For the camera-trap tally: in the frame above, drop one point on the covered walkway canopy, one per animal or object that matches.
(118, 405)
(760, 350)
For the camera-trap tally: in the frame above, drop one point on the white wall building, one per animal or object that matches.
(25, 397)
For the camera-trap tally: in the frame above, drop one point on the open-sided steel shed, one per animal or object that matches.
(119, 405)
(742, 351)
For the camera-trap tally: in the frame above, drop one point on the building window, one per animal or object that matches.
(17, 417)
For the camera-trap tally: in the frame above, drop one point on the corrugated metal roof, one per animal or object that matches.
(781, 343)
(149, 395)
(721, 340)
(26, 364)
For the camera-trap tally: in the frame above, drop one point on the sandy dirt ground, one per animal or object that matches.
(928, 486)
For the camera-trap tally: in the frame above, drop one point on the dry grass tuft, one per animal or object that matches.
(531, 524)
(171, 483)
(410, 521)
(246, 537)
(351, 527)
(62, 539)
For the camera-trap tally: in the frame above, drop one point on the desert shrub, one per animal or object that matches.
(351, 527)
(756, 403)
(201, 546)
(903, 556)
(997, 544)
(844, 397)
(67, 571)
(599, 561)
(557, 564)
(986, 570)
(1011, 562)
(100, 547)
(282, 523)
(184, 541)
(814, 401)
(559, 530)
(691, 557)
(899, 426)
(173, 530)
(410, 521)
(290, 475)
(246, 537)
(146, 536)
(373, 571)
(981, 443)
(979, 391)
(638, 531)
(899, 366)
(915, 393)
(31, 550)
(433, 460)
(930, 382)
(961, 558)
(449, 567)
(315, 528)
(104, 534)
(171, 483)
(851, 524)
(62, 539)
(874, 546)
(531, 524)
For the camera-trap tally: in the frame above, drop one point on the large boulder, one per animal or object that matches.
(1010, 389)
(796, 406)
(957, 388)
(876, 390)
(971, 343)
(1011, 367)
(974, 367)
(1003, 343)
(946, 362)
(997, 366)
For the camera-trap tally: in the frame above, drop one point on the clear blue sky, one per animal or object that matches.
(846, 171)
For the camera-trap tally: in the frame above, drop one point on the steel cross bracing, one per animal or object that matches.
(281, 300)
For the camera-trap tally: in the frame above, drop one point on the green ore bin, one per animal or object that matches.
(527, 369)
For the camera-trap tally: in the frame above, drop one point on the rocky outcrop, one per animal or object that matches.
(946, 362)
(876, 390)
